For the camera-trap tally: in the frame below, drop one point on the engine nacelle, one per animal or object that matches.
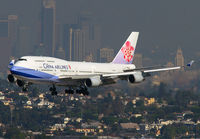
(93, 81)
(136, 77)
(11, 78)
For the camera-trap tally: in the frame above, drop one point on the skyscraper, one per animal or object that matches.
(58, 41)
(5, 43)
(79, 45)
(48, 26)
(60, 53)
(24, 41)
(106, 55)
(92, 31)
(82, 39)
(179, 59)
(68, 39)
(13, 32)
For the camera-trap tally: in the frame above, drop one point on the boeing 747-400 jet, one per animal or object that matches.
(79, 76)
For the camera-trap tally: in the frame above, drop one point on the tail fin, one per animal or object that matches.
(126, 53)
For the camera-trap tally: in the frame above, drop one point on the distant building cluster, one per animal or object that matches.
(179, 59)
(8, 38)
(106, 55)
(80, 41)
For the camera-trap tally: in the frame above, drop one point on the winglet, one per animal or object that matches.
(191, 63)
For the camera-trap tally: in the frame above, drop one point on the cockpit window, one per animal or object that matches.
(21, 59)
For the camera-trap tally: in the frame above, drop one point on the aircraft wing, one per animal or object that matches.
(114, 75)
(76, 77)
(161, 69)
(143, 71)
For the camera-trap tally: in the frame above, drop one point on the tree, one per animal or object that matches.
(110, 120)
(168, 132)
(14, 133)
(129, 107)
(43, 136)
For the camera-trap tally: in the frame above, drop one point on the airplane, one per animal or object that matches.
(77, 77)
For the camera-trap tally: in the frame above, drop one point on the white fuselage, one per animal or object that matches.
(38, 69)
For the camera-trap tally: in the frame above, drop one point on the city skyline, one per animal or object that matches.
(109, 32)
(137, 74)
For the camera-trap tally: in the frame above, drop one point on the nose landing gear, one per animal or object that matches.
(23, 85)
(53, 90)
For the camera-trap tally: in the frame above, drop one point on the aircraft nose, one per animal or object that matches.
(11, 64)
(13, 69)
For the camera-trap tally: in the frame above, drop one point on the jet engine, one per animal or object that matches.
(93, 81)
(11, 78)
(136, 77)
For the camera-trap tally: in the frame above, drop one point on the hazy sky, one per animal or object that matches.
(163, 25)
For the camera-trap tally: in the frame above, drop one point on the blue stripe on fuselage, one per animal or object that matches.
(30, 73)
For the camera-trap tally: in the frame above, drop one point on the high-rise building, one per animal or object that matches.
(78, 45)
(48, 26)
(60, 53)
(58, 38)
(24, 41)
(82, 39)
(106, 55)
(89, 58)
(92, 31)
(5, 44)
(13, 32)
(170, 64)
(179, 59)
(67, 41)
(137, 60)
(4, 27)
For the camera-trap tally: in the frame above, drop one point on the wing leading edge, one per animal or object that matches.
(114, 75)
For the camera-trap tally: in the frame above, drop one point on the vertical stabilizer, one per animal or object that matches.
(126, 53)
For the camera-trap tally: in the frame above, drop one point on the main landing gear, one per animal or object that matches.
(81, 90)
(69, 91)
(53, 90)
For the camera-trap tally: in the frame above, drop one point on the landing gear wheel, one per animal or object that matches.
(24, 89)
(78, 91)
(54, 93)
(82, 90)
(53, 90)
(86, 93)
(69, 91)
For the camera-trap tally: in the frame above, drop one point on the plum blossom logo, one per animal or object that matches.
(128, 50)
